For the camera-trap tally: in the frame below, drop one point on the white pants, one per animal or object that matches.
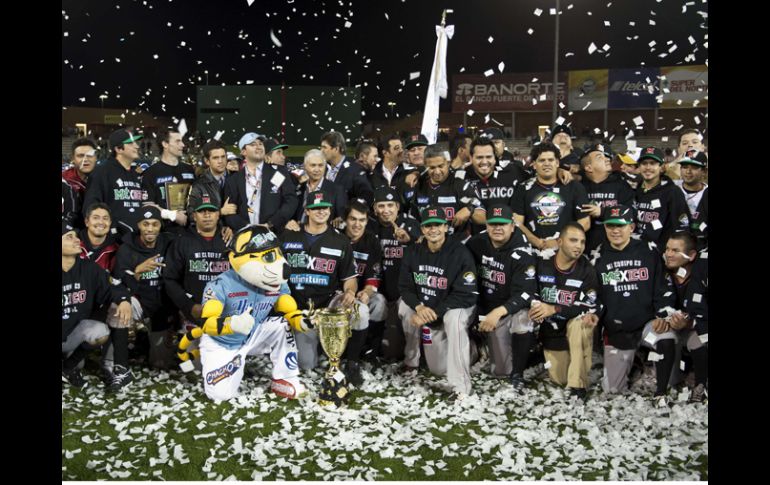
(447, 349)
(499, 341)
(88, 331)
(223, 367)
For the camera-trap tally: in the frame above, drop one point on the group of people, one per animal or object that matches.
(445, 255)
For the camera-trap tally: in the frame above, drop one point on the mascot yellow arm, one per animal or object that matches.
(288, 306)
(213, 325)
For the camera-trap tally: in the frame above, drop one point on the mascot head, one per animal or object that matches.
(256, 257)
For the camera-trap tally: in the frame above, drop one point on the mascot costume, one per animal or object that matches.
(247, 310)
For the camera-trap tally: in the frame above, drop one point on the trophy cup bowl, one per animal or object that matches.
(333, 325)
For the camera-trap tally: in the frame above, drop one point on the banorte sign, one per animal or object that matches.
(506, 92)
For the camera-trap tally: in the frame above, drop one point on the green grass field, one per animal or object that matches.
(395, 428)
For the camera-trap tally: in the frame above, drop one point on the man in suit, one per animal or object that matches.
(344, 172)
(263, 193)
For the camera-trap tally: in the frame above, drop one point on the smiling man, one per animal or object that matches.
(84, 162)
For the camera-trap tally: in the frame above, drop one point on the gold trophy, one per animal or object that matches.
(333, 325)
(176, 195)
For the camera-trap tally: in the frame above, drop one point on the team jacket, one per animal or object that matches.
(443, 280)
(155, 178)
(367, 260)
(506, 275)
(70, 207)
(453, 195)
(120, 189)
(573, 292)
(237, 295)
(317, 268)
(205, 185)
(698, 205)
(696, 296)
(352, 178)
(608, 193)
(104, 255)
(149, 288)
(83, 289)
(547, 208)
(73, 180)
(278, 198)
(393, 252)
(192, 261)
(634, 289)
(660, 212)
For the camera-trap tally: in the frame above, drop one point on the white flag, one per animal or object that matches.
(438, 85)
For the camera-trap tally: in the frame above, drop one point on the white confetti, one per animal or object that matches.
(638, 121)
(489, 72)
(182, 129)
(250, 2)
(414, 75)
(348, 24)
(501, 66)
(530, 31)
(538, 12)
(560, 120)
(490, 39)
(592, 48)
(470, 112)
(275, 39)
(704, 339)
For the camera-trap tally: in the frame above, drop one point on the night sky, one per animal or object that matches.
(149, 54)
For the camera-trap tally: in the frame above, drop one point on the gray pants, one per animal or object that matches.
(307, 343)
(447, 349)
(499, 341)
(91, 332)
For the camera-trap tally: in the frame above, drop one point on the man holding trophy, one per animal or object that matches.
(321, 260)
(438, 295)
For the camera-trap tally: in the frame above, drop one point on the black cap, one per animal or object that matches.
(415, 141)
(561, 129)
(66, 227)
(432, 214)
(272, 144)
(385, 194)
(493, 133)
(149, 212)
(619, 214)
(499, 214)
(318, 198)
(694, 157)
(205, 203)
(122, 136)
(651, 153)
(598, 147)
(253, 239)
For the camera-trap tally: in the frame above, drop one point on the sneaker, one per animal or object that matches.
(580, 393)
(290, 388)
(121, 377)
(660, 400)
(518, 383)
(73, 378)
(353, 373)
(698, 394)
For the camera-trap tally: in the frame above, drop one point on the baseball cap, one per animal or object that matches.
(627, 159)
(619, 214)
(272, 144)
(652, 153)
(598, 147)
(259, 239)
(385, 194)
(122, 136)
(432, 215)
(499, 214)
(66, 227)
(249, 138)
(205, 203)
(318, 198)
(231, 156)
(416, 140)
(493, 133)
(694, 157)
(150, 212)
(561, 129)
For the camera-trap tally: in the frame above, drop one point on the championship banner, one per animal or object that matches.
(506, 92)
(684, 86)
(588, 90)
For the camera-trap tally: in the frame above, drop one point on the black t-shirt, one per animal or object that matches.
(611, 192)
(367, 257)
(547, 208)
(393, 253)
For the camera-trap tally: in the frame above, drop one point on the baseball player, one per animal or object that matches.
(506, 272)
(696, 193)
(438, 296)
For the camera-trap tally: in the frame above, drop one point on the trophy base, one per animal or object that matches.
(334, 392)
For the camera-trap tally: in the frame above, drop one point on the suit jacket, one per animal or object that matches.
(339, 199)
(277, 202)
(352, 178)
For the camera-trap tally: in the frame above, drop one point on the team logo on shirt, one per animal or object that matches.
(291, 361)
(548, 207)
(469, 278)
(530, 272)
(292, 245)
